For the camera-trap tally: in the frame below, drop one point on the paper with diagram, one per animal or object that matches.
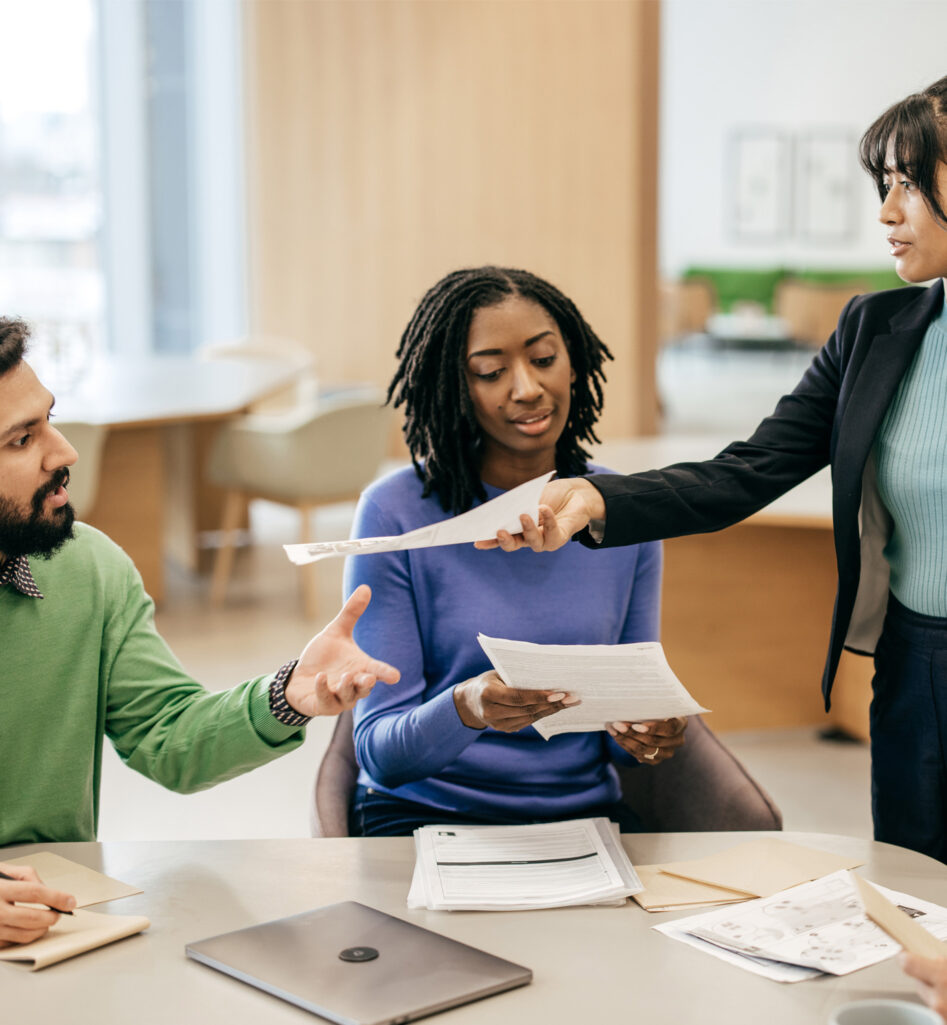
(478, 524)
(819, 926)
(616, 682)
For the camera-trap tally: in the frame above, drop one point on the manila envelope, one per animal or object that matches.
(673, 893)
(760, 868)
(898, 925)
(85, 884)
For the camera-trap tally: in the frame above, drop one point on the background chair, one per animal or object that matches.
(305, 386)
(314, 456)
(811, 309)
(703, 787)
(88, 440)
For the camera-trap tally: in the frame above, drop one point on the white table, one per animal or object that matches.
(590, 965)
(162, 412)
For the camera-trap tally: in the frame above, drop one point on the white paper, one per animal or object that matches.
(508, 868)
(818, 926)
(478, 524)
(774, 970)
(616, 682)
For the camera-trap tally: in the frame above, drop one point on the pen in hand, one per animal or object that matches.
(13, 879)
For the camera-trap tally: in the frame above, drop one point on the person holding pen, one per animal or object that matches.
(871, 405)
(500, 378)
(82, 660)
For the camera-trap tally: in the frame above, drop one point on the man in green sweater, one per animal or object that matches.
(80, 659)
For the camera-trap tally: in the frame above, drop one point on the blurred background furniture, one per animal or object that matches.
(158, 414)
(303, 387)
(714, 300)
(88, 440)
(686, 306)
(811, 309)
(312, 456)
(703, 787)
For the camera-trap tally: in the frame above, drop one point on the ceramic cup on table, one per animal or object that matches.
(884, 1012)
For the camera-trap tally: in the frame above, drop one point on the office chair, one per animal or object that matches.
(703, 787)
(309, 457)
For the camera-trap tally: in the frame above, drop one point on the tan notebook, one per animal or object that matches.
(85, 884)
(82, 930)
(71, 935)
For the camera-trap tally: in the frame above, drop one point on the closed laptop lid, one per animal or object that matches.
(355, 965)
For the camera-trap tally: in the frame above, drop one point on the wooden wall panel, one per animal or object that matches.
(391, 142)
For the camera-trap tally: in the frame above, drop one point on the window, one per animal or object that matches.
(50, 183)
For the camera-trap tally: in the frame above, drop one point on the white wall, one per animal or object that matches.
(793, 65)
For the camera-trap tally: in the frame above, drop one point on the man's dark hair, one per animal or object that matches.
(440, 427)
(917, 127)
(13, 339)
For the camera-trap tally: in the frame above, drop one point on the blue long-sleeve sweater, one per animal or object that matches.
(428, 605)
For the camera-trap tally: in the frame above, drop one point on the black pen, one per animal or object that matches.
(13, 879)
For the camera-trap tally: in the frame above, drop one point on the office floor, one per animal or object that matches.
(820, 786)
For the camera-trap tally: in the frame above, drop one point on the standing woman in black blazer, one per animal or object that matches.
(873, 404)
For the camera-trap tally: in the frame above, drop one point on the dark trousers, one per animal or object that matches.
(374, 813)
(909, 732)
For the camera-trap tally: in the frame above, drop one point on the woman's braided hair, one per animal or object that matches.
(440, 428)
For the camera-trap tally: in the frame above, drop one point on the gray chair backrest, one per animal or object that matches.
(334, 450)
(703, 787)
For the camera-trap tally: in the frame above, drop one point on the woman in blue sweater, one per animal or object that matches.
(501, 380)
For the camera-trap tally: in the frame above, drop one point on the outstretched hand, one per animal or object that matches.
(565, 507)
(333, 672)
(21, 924)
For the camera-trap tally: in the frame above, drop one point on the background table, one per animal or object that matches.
(590, 964)
(746, 611)
(162, 413)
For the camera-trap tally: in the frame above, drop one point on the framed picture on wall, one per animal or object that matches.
(761, 185)
(827, 186)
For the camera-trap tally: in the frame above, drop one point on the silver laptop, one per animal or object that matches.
(358, 966)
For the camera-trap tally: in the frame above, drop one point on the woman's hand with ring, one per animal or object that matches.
(649, 742)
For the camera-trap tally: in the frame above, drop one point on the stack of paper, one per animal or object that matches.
(514, 868)
(756, 868)
(805, 931)
(616, 682)
(82, 930)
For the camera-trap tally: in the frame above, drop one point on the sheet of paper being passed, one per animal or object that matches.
(478, 524)
(616, 682)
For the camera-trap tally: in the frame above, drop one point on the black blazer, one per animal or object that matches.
(832, 416)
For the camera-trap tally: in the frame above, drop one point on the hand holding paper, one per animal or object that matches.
(486, 700)
(479, 524)
(615, 682)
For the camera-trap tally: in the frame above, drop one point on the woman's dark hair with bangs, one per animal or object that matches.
(917, 127)
(440, 428)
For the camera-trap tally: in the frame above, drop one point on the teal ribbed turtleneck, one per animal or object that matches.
(911, 455)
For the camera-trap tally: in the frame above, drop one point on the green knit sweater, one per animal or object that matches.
(86, 661)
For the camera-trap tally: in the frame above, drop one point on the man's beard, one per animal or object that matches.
(39, 532)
